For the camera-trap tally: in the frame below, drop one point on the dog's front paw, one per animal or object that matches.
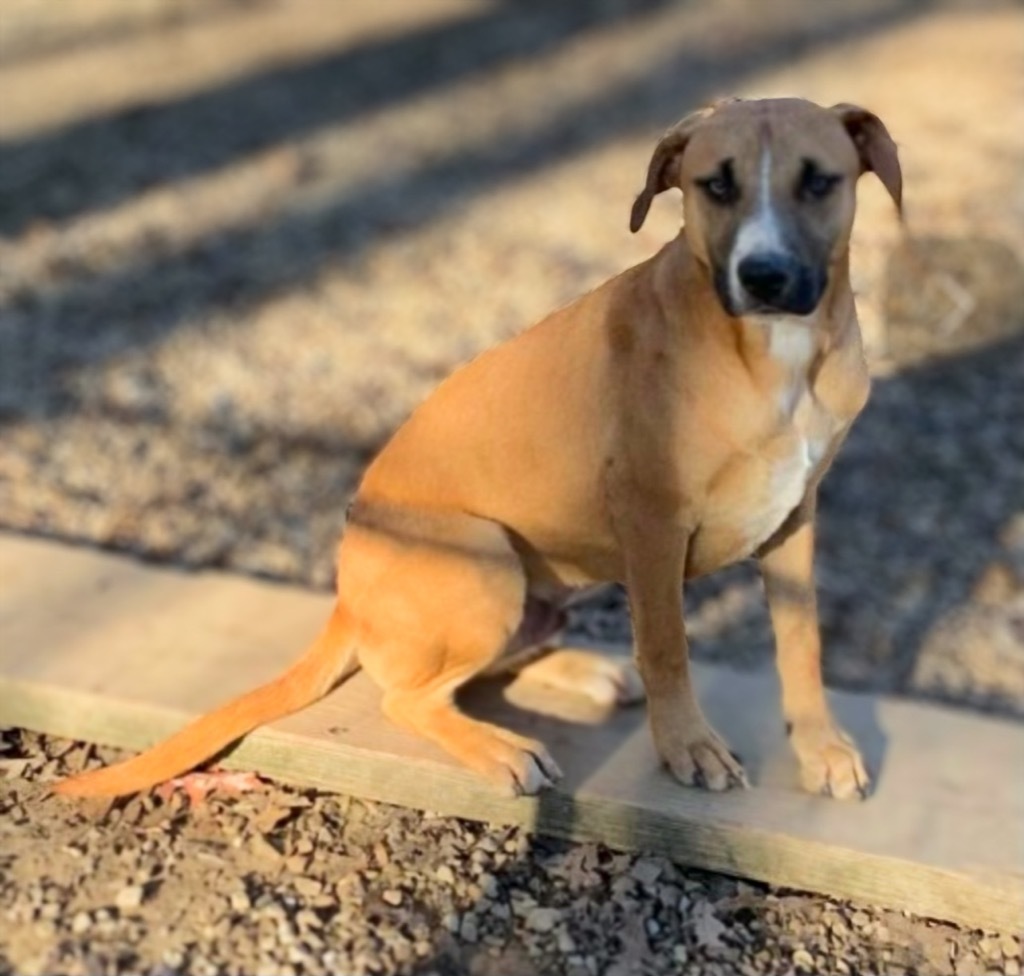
(830, 763)
(704, 760)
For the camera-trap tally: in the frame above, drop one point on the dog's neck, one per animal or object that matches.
(790, 342)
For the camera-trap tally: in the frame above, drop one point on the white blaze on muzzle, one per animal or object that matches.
(760, 233)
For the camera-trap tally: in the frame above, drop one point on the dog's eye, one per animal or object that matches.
(815, 184)
(720, 187)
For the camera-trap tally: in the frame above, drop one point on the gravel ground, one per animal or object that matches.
(289, 881)
(234, 260)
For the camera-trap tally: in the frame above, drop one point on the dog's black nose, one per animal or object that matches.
(767, 278)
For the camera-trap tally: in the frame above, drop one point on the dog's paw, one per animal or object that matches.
(704, 760)
(830, 763)
(604, 679)
(514, 764)
(609, 681)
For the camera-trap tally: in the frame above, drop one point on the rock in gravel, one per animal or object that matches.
(129, 897)
(469, 928)
(80, 923)
(445, 875)
(542, 919)
(309, 887)
(803, 960)
(707, 929)
(271, 818)
(646, 871)
(451, 921)
(262, 848)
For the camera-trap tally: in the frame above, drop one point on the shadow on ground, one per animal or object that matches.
(50, 332)
(66, 172)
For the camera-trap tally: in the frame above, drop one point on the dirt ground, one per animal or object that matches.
(240, 239)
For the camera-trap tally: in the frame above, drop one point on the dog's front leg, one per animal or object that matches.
(655, 565)
(829, 760)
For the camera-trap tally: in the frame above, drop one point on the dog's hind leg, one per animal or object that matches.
(515, 764)
(604, 679)
(538, 653)
(440, 598)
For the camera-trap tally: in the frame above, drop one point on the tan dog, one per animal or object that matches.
(673, 421)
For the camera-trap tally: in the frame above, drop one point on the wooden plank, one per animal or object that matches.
(102, 648)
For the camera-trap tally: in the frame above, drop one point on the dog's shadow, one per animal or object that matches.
(607, 753)
(615, 792)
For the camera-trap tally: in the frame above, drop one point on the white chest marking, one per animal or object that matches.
(787, 485)
(791, 344)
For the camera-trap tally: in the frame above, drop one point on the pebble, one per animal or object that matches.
(297, 863)
(271, 818)
(307, 886)
(803, 960)
(392, 897)
(469, 928)
(646, 871)
(451, 921)
(542, 919)
(129, 897)
(263, 848)
(307, 919)
(445, 875)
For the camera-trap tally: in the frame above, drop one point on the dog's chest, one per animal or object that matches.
(762, 483)
(797, 408)
(776, 493)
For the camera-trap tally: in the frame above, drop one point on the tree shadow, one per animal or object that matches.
(68, 39)
(51, 332)
(67, 172)
(913, 512)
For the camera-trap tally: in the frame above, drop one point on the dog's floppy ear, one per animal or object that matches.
(659, 172)
(875, 147)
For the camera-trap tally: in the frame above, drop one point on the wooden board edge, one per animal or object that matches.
(991, 903)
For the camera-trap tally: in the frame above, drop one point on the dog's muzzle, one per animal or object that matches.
(777, 282)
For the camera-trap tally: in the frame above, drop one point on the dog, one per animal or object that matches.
(674, 420)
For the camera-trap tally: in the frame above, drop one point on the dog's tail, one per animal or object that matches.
(330, 659)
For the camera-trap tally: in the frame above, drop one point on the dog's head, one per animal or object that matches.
(768, 194)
